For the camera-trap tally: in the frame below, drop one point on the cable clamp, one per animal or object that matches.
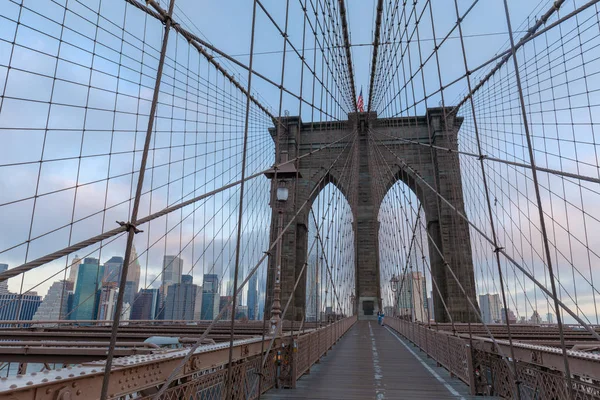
(482, 157)
(498, 248)
(129, 226)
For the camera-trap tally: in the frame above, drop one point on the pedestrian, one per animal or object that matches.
(379, 317)
(382, 316)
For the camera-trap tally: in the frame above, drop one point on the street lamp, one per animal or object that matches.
(283, 172)
(394, 283)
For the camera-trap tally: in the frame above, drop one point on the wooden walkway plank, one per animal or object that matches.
(371, 362)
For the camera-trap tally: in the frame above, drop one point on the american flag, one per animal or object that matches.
(361, 103)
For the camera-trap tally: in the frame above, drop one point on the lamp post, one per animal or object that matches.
(281, 197)
(283, 172)
(394, 283)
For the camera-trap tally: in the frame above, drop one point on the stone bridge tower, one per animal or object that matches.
(399, 157)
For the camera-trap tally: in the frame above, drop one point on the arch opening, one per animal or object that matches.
(404, 259)
(330, 269)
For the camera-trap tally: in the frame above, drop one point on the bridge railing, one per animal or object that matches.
(203, 376)
(483, 365)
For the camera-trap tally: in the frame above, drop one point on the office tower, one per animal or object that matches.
(89, 281)
(145, 304)
(19, 307)
(411, 292)
(313, 289)
(171, 273)
(550, 318)
(490, 307)
(56, 303)
(223, 303)
(430, 307)
(134, 271)
(210, 297)
(108, 300)
(112, 270)
(253, 297)
(535, 318)
(181, 300)
(198, 306)
(512, 318)
(4, 284)
(74, 269)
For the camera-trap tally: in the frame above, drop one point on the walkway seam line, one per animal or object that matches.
(378, 374)
(435, 374)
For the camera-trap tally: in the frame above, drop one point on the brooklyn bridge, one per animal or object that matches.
(299, 199)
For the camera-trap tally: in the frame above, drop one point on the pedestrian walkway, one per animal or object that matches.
(374, 362)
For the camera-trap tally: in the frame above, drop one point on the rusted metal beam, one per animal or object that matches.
(145, 372)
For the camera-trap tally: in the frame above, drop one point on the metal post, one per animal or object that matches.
(276, 305)
(131, 228)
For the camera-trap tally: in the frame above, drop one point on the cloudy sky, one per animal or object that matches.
(88, 124)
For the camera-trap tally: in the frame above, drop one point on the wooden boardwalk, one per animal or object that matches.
(372, 362)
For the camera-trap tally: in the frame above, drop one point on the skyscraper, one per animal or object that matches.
(107, 301)
(181, 300)
(210, 297)
(253, 297)
(313, 289)
(145, 305)
(412, 296)
(89, 281)
(512, 318)
(134, 271)
(56, 303)
(4, 284)
(112, 270)
(490, 308)
(74, 269)
(171, 273)
(19, 307)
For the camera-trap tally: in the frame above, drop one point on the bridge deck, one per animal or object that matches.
(371, 362)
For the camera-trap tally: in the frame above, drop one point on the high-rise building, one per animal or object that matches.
(512, 318)
(145, 304)
(108, 300)
(4, 284)
(74, 269)
(171, 273)
(107, 303)
(224, 303)
(181, 300)
(210, 297)
(430, 307)
(112, 270)
(490, 307)
(253, 297)
(535, 318)
(198, 306)
(134, 271)
(56, 303)
(23, 307)
(89, 281)
(411, 290)
(550, 318)
(313, 289)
